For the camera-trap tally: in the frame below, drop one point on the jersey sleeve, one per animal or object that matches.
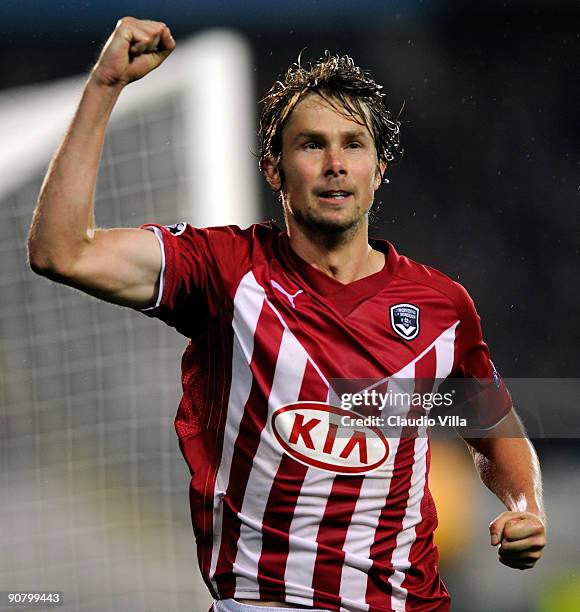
(199, 269)
(486, 398)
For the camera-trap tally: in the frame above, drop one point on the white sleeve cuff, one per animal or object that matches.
(159, 237)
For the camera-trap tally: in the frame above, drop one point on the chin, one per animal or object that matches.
(332, 225)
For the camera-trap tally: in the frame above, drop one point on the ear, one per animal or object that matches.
(272, 173)
(380, 173)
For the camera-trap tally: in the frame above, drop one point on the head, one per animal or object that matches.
(325, 130)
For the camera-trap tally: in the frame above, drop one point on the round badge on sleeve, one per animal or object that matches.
(405, 320)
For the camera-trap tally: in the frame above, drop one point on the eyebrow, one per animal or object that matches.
(350, 134)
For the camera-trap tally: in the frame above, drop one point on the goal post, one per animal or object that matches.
(93, 487)
(211, 76)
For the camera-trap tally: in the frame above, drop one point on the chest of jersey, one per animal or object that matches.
(370, 338)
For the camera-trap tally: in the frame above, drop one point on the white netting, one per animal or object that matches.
(92, 484)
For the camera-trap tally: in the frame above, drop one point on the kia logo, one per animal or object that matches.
(311, 433)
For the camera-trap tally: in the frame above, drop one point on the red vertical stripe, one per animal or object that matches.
(267, 339)
(282, 503)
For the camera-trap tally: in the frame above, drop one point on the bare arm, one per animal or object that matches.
(117, 265)
(509, 467)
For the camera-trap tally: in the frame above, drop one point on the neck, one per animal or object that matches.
(345, 257)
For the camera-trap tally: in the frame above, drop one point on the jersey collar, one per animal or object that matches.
(345, 296)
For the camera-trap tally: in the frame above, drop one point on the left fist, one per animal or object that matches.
(521, 536)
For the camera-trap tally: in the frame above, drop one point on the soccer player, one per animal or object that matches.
(286, 513)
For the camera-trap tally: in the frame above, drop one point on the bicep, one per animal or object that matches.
(121, 266)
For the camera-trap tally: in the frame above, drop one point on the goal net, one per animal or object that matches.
(93, 488)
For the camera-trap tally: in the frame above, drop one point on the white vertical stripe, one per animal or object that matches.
(444, 352)
(310, 360)
(288, 376)
(248, 303)
(304, 530)
(159, 237)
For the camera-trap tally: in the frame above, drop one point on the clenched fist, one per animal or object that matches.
(135, 48)
(521, 537)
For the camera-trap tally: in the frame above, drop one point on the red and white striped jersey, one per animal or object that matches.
(281, 509)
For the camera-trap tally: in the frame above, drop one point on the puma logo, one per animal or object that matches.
(290, 297)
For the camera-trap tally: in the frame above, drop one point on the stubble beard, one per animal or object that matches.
(328, 231)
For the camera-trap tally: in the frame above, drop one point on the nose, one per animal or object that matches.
(334, 162)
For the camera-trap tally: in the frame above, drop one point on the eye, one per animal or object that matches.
(354, 145)
(311, 146)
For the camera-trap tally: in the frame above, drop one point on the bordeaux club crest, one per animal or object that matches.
(405, 320)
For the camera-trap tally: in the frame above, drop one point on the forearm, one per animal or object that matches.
(63, 218)
(509, 468)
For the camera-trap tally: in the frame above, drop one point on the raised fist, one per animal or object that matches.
(135, 48)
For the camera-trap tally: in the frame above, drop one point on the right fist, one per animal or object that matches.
(135, 48)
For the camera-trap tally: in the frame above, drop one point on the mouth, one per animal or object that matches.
(334, 196)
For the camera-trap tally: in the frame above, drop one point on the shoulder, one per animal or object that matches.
(428, 276)
(216, 236)
(256, 232)
(256, 242)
